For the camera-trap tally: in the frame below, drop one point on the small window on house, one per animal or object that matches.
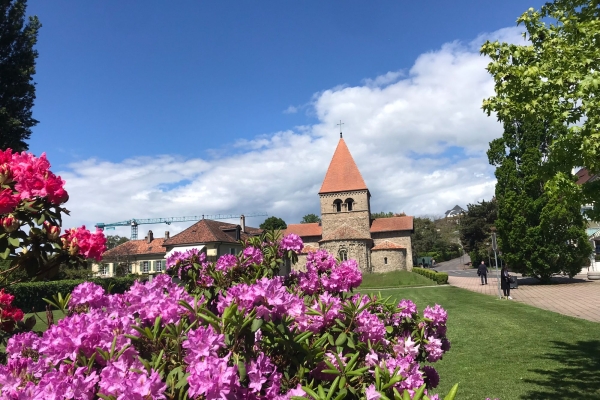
(145, 267)
(385, 260)
(337, 205)
(158, 267)
(349, 204)
(104, 269)
(232, 250)
(129, 268)
(343, 254)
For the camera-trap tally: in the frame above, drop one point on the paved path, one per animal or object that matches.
(576, 297)
(456, 264)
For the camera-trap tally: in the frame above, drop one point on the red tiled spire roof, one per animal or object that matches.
(343, 174)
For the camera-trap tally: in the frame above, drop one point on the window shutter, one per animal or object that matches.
(152, 266)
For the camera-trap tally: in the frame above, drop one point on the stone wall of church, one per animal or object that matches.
(396, 260)
(358, 218)
(356, 249)
(308, 241)
(402, 238)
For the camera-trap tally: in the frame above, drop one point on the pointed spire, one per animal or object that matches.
(343, 174)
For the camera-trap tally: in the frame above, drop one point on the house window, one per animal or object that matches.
(349, 204)
(145, 267)
(104, 269)
(232, 250)
(337, 205)
(129, 268)
(343, 254)
(158, 267)
(385, 260)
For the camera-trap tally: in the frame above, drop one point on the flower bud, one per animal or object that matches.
(10, 223)
(52, 231)
(5, 174)
(73, 247)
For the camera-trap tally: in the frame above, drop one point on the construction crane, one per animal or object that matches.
(135, 222)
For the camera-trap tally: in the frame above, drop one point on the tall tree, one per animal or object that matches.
(273, 223)
(17, 67)
(310, 219)
(476, 228)
(113, 241)
(555, 77)
(384, 214)
(540, 232)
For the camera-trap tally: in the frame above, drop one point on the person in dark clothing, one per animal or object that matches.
(505, 282)
(482, 272)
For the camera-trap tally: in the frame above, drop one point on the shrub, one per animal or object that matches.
(29, 295)
(441, 278)
(234, 329)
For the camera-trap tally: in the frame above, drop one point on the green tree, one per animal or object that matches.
(17, 66)
(435, 238)
(540, 233)
(310, 219)
(384, 214)
(113, 241)
(273, 223)
(555, 77)
(476, 228)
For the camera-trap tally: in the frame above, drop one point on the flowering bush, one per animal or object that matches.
(233, 330)
(31, 199)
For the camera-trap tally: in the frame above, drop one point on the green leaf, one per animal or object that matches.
(341, 339)
(256, 324)
(452, 394)
(13, 241)
(389, 329)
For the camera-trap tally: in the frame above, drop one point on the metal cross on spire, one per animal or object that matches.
(340, 124)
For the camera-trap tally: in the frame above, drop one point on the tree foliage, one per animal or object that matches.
(113, 241)
(384, 214)
(540, 233)
(435, 238)
(273, 223)
(476, 228)
(310, 219)
(555, 77)
(17, 66)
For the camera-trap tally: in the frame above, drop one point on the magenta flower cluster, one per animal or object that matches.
(231, 330)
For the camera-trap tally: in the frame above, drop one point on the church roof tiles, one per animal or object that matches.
(387, 245)
(343, 174)
(303, 230)
(392, 224)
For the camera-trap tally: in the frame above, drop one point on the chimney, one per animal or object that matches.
(167, 235)
(243, 223)
(150, 237)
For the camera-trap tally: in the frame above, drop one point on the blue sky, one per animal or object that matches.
(188, 84)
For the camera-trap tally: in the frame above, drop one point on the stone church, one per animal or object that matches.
(347, 229)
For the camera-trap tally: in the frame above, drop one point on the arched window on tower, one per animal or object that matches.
(343, 254)
(349, 204)
(385, 260)
(337, 205)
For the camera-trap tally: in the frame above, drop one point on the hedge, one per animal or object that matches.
(29, 295)
(440, 277)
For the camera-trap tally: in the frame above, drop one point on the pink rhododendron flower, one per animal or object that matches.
(253, 255)
(371, 393)
(434, 349)
(226, 262)
(292, 242)
(88, 293)
(83, 242)
(8, 201)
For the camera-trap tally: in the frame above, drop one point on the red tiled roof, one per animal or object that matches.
(342, 174)
(387, 245)
(344, 232)
(583, 175)
(303, 230)
(308, 249)
(392, 224)
(207, 231)
(136, 247)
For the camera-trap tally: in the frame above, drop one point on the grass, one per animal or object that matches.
(40, 319)
(394, 279)
(507, 350)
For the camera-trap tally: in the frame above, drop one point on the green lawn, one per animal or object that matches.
(40, 320)
(511, 351)
(394, 279)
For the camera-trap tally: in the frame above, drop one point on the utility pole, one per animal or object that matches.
(495, 248)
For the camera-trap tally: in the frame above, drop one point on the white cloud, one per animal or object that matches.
(290, 110)
(419, 140)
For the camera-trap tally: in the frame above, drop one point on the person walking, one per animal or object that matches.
(482, 272)
(505, 282)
